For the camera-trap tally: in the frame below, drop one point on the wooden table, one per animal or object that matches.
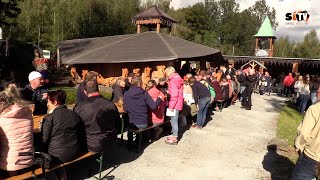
(120, 108)
(36, 122)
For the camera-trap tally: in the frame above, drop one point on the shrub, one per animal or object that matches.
(72, 94)
(106, 94)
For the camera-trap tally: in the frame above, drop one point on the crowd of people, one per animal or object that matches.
(301, 89)
(179, 97)
(183, 97)
(65, 134)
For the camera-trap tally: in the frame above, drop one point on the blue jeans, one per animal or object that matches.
(174, 124)
(303, 102)
(305, 168)
(135, 126)
(203, 104)
(241, 91)
(313, 97)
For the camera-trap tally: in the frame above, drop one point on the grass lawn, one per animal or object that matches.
(289, 120)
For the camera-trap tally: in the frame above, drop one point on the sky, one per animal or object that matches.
(295, 32)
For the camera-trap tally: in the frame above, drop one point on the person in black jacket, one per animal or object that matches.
(249, 83)
(118, 90)
(62, 130)
(36, 92)
(231, 70)
(202, 98)
(241, 77)
(99, 116)
(81, 96)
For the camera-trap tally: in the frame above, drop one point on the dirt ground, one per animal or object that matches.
(233, 145)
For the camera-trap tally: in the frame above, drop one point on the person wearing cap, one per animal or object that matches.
(81, 96)
(36, 92)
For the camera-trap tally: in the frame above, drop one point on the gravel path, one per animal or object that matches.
(233, 145)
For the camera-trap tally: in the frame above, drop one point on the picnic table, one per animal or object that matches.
(37, 119)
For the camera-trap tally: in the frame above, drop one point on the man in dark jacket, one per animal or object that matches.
(81, 96)
(36, 92)
(136, 102)
(231, 70)
(99, 116)
(202, 98)
(249, 86)
(63, 134)
(241, 77)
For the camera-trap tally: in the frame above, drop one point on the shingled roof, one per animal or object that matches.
(153, 12)
(143, 47)
(265, 29)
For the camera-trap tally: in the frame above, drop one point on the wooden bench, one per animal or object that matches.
(38, 171)
(140, 131)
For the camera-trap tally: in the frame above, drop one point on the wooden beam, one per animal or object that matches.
(158, 28)
(138, 28)
(148, 21)
(295, 67)
(257, 43)
(261, 68)
(58, 58)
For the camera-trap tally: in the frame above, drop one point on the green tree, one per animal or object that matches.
(9, 10)
(260, 10)
(309, 48)
(283, 47)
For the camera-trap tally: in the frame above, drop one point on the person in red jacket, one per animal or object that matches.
(156, 115)
(288, 83)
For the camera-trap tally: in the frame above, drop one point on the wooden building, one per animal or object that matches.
(108, 55)
(264, 54)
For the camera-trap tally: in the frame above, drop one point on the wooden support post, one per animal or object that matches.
(203, 64)
(270, 48)
(272, 43)
(261, 68)
(158, 28)
(58, 58)
(257, 43)
(295, 67)
(138, 28)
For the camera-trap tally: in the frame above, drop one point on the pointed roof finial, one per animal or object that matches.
(266, 29)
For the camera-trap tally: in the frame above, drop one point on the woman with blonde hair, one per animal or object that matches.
(304, 95)
(118, 89)
(16, 135)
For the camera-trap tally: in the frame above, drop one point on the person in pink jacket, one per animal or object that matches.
(175, 91)
(16, 134)
(156, 115)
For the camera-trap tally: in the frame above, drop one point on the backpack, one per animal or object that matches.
(212, 92)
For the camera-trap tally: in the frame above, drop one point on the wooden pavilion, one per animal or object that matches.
(145, 51)
(153, 17)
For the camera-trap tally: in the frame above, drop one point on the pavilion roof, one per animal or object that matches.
(153, 12)
(142, 47)
(266, 29)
